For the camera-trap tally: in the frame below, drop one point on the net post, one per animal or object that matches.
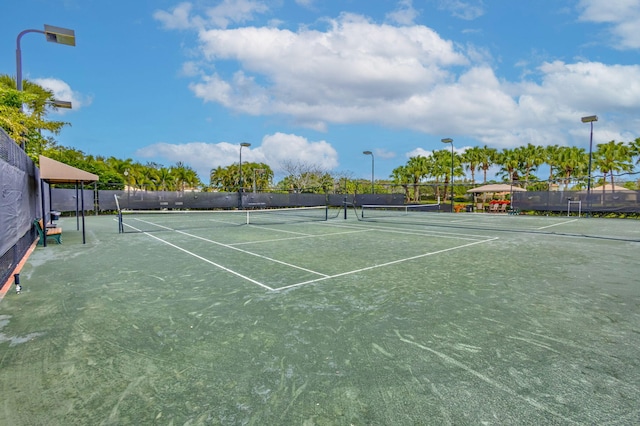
(120, 223)
(345, 207)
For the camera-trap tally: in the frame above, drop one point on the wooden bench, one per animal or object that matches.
(55, 233)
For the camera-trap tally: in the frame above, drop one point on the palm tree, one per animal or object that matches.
(634, 149)
(571, 160)
(530, 157)
(443, 160)
(165, 181)
(472, 160)
(509, 162)
(440, 169)
(418, 168)
(488, 157)
(612, 157)
(184, 176)
(550, 155)
(222, 178)
(25, 126)
(401, 176)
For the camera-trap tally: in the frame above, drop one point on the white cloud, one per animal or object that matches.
(405, 14)
(383, 153)
(353, 72)
(222, 15)
(177, 19)
(623, 16)
(274, 150)
(235, 11)
(589, 85)
(63, 92)
(408, 77)
(305, 3)
(200, 155)
(467, 10)
(418, 152)
(280, 147)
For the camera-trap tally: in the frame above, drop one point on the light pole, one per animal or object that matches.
(372, 169)
(126, 176)
(53, 35)
(241, 189)
(590, 119)
(261, 171)
(449, 140)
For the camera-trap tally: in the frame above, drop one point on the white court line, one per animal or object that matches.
(281, 230)
(299, 238)
(556, 224)
(204, 259)
(393, 262)
(237, 249)
(437, 234)
(254, 254)
(462, 221)
(323, 276)
(485, 226)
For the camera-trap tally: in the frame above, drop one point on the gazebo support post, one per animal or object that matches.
(84, 240)
(42, 205)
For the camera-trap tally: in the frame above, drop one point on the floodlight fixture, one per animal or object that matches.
(61, 104)
(590, 119)
(52, 34)
(60, 35)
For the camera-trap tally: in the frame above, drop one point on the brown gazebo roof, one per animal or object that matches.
(53, 171)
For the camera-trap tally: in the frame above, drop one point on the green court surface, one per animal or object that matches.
(428, 319)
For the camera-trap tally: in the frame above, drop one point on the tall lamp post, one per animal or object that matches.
(372, 169)
(241, 189)
(449, 140)
(590, 119)
(52, 34)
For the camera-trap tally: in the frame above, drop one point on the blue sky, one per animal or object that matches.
(318, 82)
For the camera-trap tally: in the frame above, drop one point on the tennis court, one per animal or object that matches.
(421, 318)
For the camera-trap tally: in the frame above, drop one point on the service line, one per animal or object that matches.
(204, 259)
(556, 224)
(393, 262)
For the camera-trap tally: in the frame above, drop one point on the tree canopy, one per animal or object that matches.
(23, 115)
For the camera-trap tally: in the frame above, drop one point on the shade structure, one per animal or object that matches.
(609, 188)
(52, 171)
(496, 187)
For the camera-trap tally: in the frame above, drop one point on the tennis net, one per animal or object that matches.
(174, 220)
(374, 211)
